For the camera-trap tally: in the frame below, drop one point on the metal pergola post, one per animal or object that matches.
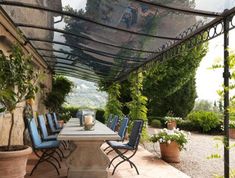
(226, 76)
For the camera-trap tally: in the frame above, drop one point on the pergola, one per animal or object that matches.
(109, 39)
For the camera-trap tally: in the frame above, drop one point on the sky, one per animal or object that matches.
(209, 81)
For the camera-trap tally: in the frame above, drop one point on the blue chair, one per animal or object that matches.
(108, 124)
(43, 128)
(51, 124)
(57, 125)
(132, 145)
(121, 132)
(48, 148)
(114, 123)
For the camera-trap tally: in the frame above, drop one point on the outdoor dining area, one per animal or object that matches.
(144, 54)
(74, 150)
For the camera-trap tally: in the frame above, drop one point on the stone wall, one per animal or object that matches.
(9, 36)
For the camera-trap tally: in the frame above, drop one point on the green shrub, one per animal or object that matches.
(100, 115)
(68, 112)
(187, 125)
(156, 123)
(206, 120)
(161, 119)
(71, 110)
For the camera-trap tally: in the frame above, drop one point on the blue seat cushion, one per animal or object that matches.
(50, 137)
(48, 144)
(57, 131)
(119, 145)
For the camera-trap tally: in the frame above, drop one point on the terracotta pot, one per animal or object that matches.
(30, 101)
(61, 123)
(232, 133)
(171, 125)
(170, 152)
(13, 163)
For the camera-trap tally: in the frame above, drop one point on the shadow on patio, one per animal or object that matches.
(149, 167)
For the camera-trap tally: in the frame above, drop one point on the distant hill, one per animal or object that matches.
(85, 94)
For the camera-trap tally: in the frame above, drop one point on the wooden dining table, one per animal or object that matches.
(87, 160)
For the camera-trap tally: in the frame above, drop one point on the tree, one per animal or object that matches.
(203, 105)
(180, 103)
(165, 78)
(61, 87)
(17, 82)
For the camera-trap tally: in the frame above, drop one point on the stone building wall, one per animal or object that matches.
(9, 36)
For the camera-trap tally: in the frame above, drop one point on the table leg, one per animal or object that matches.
(88, 160)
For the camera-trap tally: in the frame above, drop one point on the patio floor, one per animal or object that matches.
(149, 167)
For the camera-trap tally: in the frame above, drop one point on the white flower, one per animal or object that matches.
(168, 142)
(160, 140)
(170, 132)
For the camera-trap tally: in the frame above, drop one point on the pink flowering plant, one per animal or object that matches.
(168, 136)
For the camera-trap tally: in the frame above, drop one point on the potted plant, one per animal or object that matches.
(232, 130)
(17, 83)
(171, 121)
(171, 143)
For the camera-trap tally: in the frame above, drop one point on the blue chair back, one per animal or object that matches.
(42, 125)
(123, 127)
(33, 132)
(57, 125)
(114, 123)
(50, 122)
(79, 114)
(136, 133)
(109, 121)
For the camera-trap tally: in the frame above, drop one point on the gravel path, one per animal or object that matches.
(194, 160)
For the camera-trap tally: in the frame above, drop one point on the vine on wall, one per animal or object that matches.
(113, 106)
(137, 106)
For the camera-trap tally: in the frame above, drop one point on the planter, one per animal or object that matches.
(30, 101)
(171, 125)
(13, 163)
(170, 152)
(232, 133)
(61, 123)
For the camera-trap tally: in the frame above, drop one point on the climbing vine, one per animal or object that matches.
(113, 106)
(137, 106)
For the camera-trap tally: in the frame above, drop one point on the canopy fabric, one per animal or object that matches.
(108, 39)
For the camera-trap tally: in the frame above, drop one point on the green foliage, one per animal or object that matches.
(156, 123)
(17, 81)
(203, 105)
(61, 87)
(125, 96)
(100, 115)
(113, 106)
(17, 78)
(167, 136)
(232, 124)
(172, 81)
(71, 110)
(187, 125)
(137, 106)
(67, 112)
(205, 120)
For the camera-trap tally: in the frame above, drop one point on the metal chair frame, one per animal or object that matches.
(132, 146)
(47, 153)
(121, 132)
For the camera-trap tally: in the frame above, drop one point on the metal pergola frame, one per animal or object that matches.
(193, 36)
